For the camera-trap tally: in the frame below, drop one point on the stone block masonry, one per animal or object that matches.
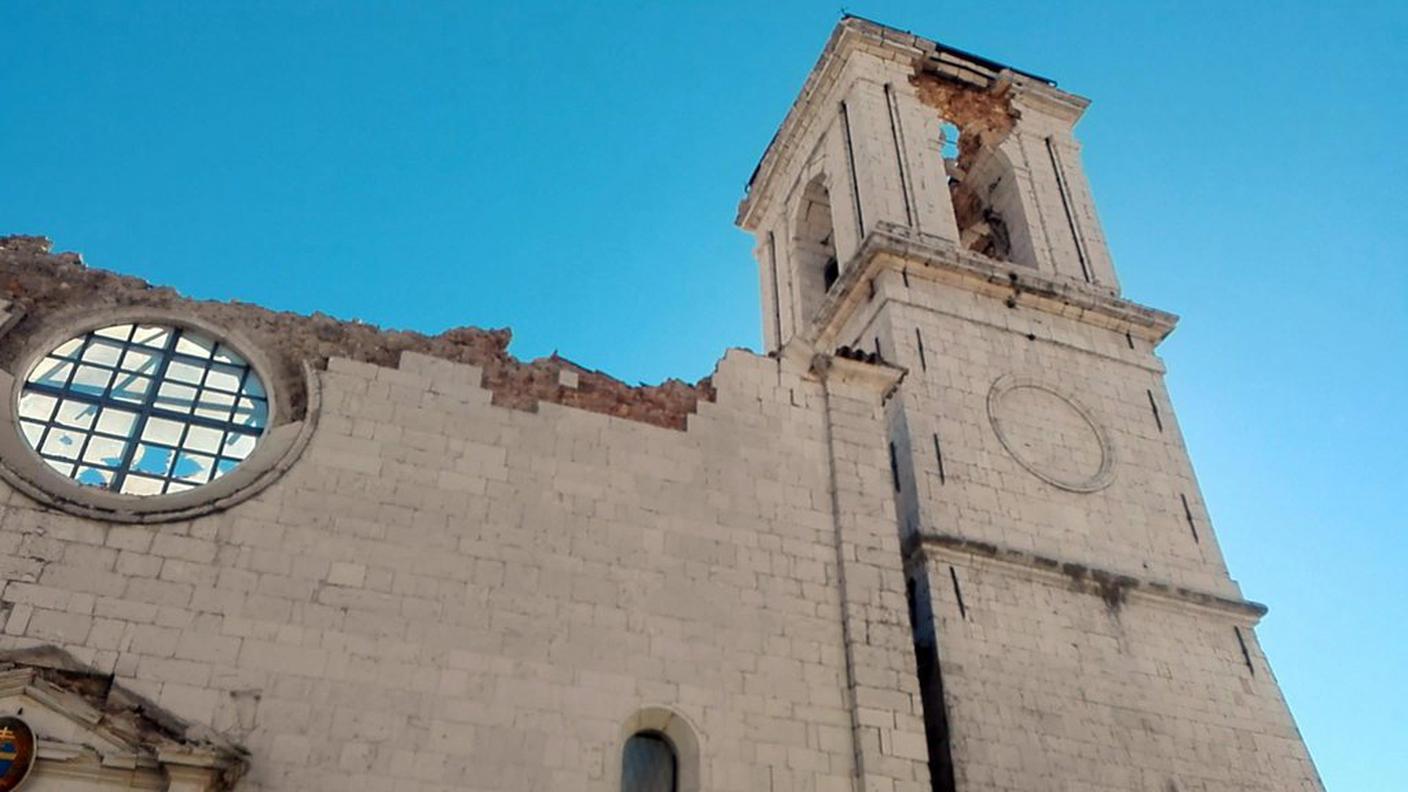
(944, 535)
(447, 591)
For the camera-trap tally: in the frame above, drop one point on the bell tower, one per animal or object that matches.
(941, 146)
(1074, 623)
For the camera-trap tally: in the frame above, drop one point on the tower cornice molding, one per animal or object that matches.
(889, 246)
(1115, 587)
(876, 375)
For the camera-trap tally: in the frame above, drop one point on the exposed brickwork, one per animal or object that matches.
(46, 284)
(984, 114)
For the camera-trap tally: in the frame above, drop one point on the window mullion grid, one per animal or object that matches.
(149, 406)
(240, 396)
(158, 412)
(102, 402)
(168, 476)
(230, 428)
(144, 412)
(59, 397)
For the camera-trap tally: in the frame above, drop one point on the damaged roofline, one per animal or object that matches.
(919, 48)
(939, 46)
(55, 287)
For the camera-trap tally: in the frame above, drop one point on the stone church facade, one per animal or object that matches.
(943, 534)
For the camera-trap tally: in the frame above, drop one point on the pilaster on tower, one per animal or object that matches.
(901, 143)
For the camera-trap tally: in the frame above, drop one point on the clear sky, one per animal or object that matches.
(572, 171)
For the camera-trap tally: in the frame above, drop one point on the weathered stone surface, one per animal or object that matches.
(44, 284)
(945, 535)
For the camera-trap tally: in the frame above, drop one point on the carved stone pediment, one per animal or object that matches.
(96, 735)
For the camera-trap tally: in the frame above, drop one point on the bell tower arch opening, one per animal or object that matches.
(814, 247)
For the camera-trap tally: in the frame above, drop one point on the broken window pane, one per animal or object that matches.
(139, 360)
(91, 379)
(203, 438)
(68, 348)
(176, 397)
(225, 378)
(131, 388)
(76, 414)
(92, 477)
(52, 372)
(195, 404)
(117, 422)
(195, 345)
(104, 353)
(119, 332)
(155, 337)
(105, 451)
(37, 406)
(181, 371)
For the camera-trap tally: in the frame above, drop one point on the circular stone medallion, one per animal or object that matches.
(1050, 434)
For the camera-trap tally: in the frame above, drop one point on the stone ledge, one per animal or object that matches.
(1113, 587)
(1017, 285)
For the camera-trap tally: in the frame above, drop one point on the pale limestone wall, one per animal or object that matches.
(1056, 676)
(1052, 688)
(1136, 525)
(445, 594)
(1049, 680)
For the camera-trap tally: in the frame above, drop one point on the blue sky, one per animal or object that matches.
(572, 171)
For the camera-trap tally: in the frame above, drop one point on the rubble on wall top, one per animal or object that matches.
(45, 284)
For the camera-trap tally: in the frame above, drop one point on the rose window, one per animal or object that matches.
(143, 409)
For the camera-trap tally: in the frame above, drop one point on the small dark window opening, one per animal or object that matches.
(939, 457)
(931, 684)
(648, 764)
(1246, 656)
(1188, 514)
(894, 468)
(1154, 407)
(830, 272)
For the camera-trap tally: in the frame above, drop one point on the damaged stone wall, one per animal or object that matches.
(983, 112)
(47, 284)
(109, 726)
(441, 594)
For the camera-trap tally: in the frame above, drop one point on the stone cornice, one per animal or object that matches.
(1114, 587)
(118, 728)
(894, 246)
(879, 376)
